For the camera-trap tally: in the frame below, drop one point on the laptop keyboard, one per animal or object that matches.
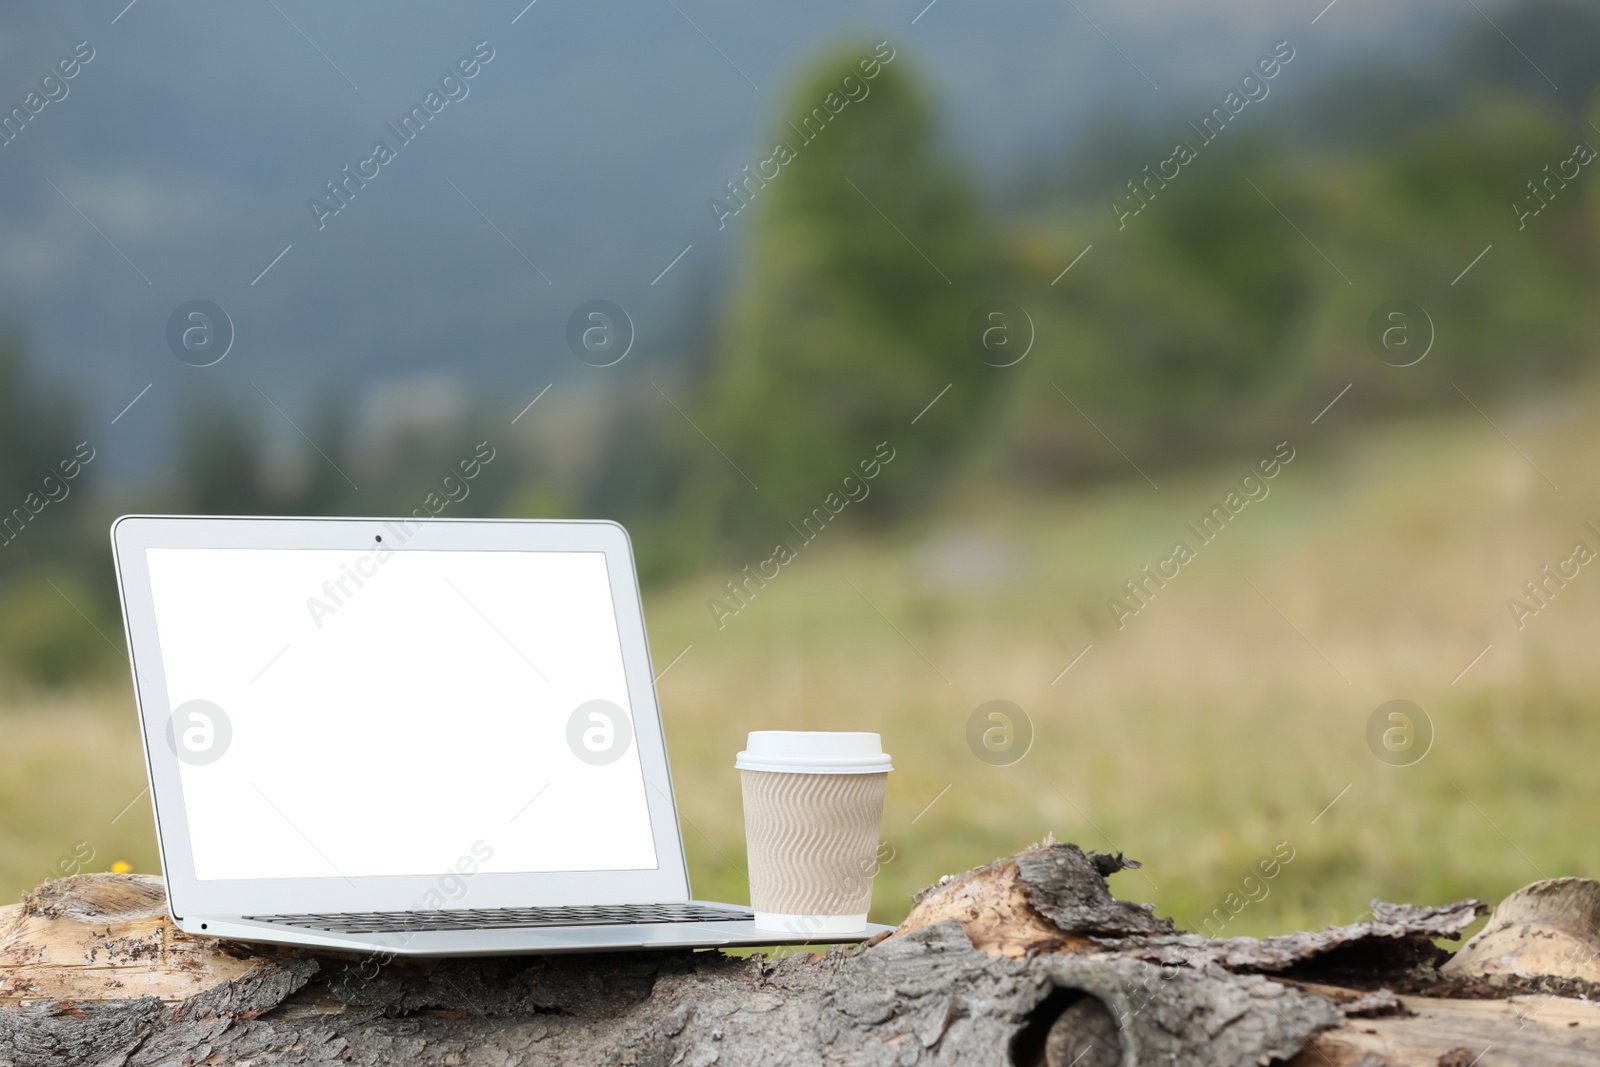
(373, 922)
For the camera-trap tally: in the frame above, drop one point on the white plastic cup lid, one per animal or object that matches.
(813, 752)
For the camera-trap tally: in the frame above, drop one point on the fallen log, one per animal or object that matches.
(1029, 960)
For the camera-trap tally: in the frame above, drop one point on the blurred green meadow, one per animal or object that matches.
(1198, 738)
(1211, 728)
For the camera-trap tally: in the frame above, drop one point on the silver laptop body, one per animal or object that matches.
(409, 736)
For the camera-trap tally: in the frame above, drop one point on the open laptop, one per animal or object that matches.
(421, 737)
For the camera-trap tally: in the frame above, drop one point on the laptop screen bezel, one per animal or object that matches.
(189, 896)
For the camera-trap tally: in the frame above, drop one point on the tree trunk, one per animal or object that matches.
(1027, 961)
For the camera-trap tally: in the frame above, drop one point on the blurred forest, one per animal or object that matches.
(1205, 324)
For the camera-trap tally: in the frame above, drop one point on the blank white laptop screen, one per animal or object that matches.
(389, 713)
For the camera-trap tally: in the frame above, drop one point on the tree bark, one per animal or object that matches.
(1029, 960)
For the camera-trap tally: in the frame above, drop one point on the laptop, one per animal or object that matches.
(422, 737)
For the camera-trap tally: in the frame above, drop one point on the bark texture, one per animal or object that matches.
(1399, 938)
(1029, 960)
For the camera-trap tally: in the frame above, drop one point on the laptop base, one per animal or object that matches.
(526, 940)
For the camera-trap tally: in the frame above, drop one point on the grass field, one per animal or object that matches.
(1221, 721)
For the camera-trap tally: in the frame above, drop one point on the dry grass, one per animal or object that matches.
(1196, 739)
(1212, 727)
(72, 790)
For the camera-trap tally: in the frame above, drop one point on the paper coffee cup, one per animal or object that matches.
(813, 803)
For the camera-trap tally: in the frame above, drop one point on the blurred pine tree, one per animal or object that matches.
(865, 261)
